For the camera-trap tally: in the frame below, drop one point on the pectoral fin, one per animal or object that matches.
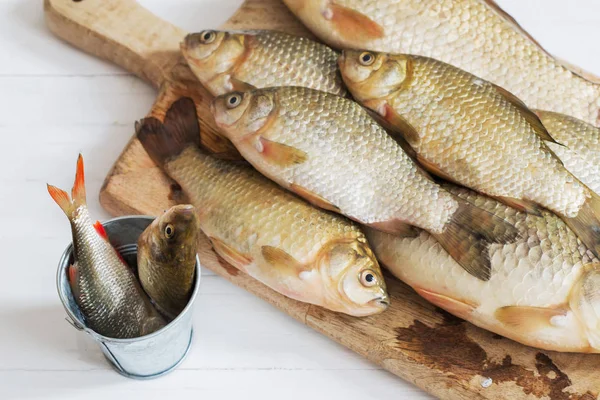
(231, 255)
(401, 125)
(314, 198)
(528, 319)
(521, 205)
(74, 280)
(457, 307)
(282, 261)
(351, 24)
(434, 169)
(280, 154)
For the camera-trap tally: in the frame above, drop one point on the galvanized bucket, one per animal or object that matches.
(148, 356)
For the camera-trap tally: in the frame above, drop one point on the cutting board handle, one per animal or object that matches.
(120, 31)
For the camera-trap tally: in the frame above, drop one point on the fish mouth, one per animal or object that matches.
(381, 302)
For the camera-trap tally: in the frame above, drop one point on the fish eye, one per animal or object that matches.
(368, 278)
(208, 37)
(233, 100)
(169, 231)
(366, 58)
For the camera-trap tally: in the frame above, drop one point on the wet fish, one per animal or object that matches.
(474, 35)
(472, 132)
(280, 240)
(330, 151)
(167, 258)
(227, 60)
(543, 289)
(105, 288)
(578, 146)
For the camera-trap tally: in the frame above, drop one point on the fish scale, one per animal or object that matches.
(474, 35)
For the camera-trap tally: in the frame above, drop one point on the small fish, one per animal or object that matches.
(474, 35)
(578, 146)
(167, 258)
(472, 132)
(105, 288)
(543, 290)
(224, 61)
(299, 251)
(330, 151)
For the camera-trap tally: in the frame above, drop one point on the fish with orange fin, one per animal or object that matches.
(277, 238)
(328, 150)
(474, 35)
(472, 132)
(104, 287)
(543, 290)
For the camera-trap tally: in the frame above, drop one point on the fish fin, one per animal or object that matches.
(456, 307)
(281, 154)
(434, 169)
(152, 324)
(530, 116)
(313, 198)
(282, 260)
(61, 198)
(520, 204)
(231, 255)
(353, 24)
(74, 280)
(401, 125)
(78, 191)
(164, 140)
(468, 235)
(241, 86)
(396, 227)
(586, 224)
(100, 229)
(527, 319)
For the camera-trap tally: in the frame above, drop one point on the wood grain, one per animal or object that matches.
(443, 355)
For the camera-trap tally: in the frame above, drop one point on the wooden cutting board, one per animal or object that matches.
(441, 354)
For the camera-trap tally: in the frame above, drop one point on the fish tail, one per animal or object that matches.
(62, 199)
(78, 191)
(468, 235)
(167, 139)
(586, 224)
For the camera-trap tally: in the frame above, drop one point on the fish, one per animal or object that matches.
(543, 291)
(103, 285)
(577, 145)
(166, 258)
(280, 240)
(474, 35)
(330, 151)
(240, 60)
(471, 132)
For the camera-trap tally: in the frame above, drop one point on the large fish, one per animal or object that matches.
(474, 35)
(224, 61)
(472, 132)
(578, 146)
(166, 258)
(300, 251)
(543, 290)
(330, 151)
(104, 287)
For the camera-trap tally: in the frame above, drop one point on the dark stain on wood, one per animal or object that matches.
(447, 347)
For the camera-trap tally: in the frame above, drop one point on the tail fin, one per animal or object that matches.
(469, 234)
(77, 193)
(586, 224)
(164, 140)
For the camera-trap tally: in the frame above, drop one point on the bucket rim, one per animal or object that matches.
(73, 320)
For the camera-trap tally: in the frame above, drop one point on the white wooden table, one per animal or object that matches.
(56, 102)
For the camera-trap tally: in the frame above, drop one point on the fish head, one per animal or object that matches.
(212, 55)
(241, 114)
(175, 230)
(357, 284)
(371, 75)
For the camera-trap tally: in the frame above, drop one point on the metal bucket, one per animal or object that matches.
(144, 357)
